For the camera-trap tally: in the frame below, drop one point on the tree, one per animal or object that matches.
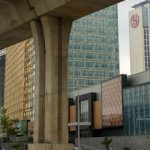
(7, 125)
(106, 142)
(16, 146)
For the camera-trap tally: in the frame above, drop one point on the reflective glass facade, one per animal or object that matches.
(84, 111)
(137, 110)
(93, 49)
(19, 80)
(2, 76)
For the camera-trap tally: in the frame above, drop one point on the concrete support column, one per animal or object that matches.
(51, 38)
(56, 35)
(39, 119)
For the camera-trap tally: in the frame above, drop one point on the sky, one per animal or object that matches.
(124, 50)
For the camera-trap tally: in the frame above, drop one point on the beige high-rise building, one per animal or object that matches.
(19, 79)
(139, 37)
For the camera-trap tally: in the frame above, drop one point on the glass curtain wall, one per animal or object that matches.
(93, 49)
(137, 110)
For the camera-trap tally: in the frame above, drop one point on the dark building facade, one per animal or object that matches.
(2, 78)
(120, 107)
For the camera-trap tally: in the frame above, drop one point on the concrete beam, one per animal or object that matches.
(79, 8)
(15, 35)
(14, 21)
(15, 15)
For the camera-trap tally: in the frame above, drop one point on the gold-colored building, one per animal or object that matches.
(19, 80)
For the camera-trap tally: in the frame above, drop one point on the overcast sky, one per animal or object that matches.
(124, 8)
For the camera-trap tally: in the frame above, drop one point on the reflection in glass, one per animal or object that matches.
(84, 111)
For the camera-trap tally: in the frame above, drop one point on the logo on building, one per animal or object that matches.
(135, 19)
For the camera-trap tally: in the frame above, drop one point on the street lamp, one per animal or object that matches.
(78, 114)
(1, 132)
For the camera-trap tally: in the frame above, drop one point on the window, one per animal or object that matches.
(84, 111)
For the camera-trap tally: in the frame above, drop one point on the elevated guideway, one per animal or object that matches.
(15, 15)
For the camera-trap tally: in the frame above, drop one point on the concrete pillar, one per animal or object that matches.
(51, 38)
(39, 119)
(56, 34)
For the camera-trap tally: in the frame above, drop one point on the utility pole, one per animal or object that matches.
(78, 115)
(1, 132)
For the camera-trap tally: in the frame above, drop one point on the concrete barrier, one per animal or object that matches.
(119, 143)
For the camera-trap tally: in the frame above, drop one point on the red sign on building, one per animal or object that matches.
(135, 19)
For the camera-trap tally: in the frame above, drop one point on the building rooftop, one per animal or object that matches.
(141, 4)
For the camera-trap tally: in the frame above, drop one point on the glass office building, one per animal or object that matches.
(2, 76)
(19, 81)
(137, 110)
(93, 49)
